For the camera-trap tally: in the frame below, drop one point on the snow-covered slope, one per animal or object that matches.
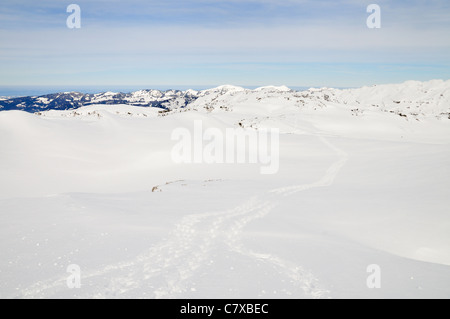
(97, 187)
(412, 100)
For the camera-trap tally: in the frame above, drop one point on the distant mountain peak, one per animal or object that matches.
(281, 88)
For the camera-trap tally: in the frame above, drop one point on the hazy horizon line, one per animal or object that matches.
(17, 90)
(32, 90)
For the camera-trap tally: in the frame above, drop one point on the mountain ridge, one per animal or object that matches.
(431, 98)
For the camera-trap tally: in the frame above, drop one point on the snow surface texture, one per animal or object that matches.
(364, 179)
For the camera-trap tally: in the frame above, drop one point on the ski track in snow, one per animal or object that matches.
(166, 268)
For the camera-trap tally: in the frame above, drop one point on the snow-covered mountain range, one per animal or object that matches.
(411, 99)
(73, 100)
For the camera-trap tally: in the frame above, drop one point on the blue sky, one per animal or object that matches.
(212, 42)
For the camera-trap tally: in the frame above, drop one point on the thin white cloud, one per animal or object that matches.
(408, 35)
(163, 40)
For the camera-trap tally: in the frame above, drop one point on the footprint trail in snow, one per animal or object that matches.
(167, 269)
